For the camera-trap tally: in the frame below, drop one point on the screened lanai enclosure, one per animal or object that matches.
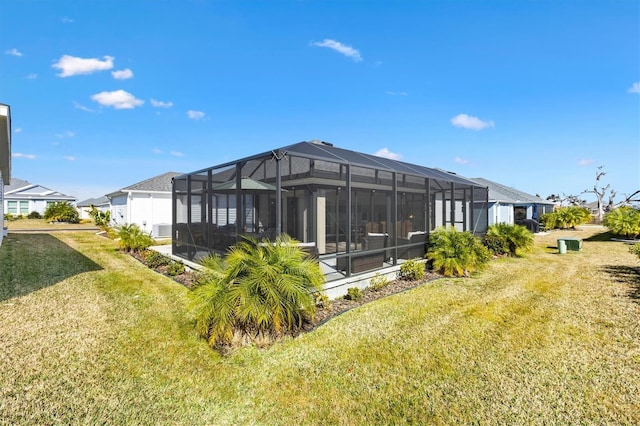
(355, 212)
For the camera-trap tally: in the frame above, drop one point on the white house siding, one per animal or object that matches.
(1, 209)
(147, 210)
(119, 215)
(500, 213)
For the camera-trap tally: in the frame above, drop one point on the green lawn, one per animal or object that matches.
(89, 335)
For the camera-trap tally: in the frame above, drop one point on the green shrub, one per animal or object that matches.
(34, 215)
(566, 217)
(10, 217)
(378, 282)
(257, 293)
(624, 221)
(495, 244)
(153, 259)
(412, 270)
(353, 293)
(100, 218)
(132, 238)
(635, 249)
(456, 253)
(61, 211)
(175, 268)
(512, 238)
(322, 300)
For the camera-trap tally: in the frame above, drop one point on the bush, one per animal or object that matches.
(635, 249)
(456, 253)
(507, 239)
(61, 211)
(322, 300)
(624, 221)
(10, 217)
(101, 219)
(566, 217)
(154, 260)
(378, 282)
(132, 238)
(495, 244)
(412, 270)
(175, 268)
(257, 293)
(34, 215)
(353, 293)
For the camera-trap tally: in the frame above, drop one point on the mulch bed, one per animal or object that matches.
(324, 313)
(341, 305)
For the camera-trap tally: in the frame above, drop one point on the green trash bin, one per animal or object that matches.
(562, 247)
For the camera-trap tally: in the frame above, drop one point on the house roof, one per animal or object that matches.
(93, 201)
(24, 190)
(160, 183)
(5, 143)
(325, 151)
(507, 194)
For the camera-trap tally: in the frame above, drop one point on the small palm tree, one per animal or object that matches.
(515, 237)
(132, 238)
(624, 220)
(260, 291)
(456, 253)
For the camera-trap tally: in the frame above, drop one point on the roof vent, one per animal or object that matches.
(317, 142)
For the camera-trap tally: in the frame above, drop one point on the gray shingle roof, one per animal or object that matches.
(33, 191)
(507, 194)
(160, 183)
(93, 201)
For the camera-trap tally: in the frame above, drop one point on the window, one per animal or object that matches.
(520, 212)
(18, 207)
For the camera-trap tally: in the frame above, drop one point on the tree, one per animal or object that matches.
(604, 191)
(571, 200)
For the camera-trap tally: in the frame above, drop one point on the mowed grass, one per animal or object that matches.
(542, 339)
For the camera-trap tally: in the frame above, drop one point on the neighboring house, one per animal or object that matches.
(84, 207)
(22, 197)
(146, 204)
(5, 159)
(508, 205)
(357, 212)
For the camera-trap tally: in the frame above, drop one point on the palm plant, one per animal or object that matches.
(132, 238)
(456, 253)
(624, 220)
(513, 237)
(260, 291)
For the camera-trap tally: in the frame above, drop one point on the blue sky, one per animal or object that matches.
(531, 94)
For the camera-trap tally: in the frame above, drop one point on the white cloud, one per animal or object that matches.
(21, 155)
(460, 160)
(385, 153)
(635, 88)
(157, 151)
(77, 105)
(177, 154)
(31, 76)
(67, 134)
(396, 93)
(124, 74)
(17, 130)
(13, 52)
(586, 162)
(195, 115)
(71, 65)
(347, 51)
(118, 99)
(161, 104)
(470, 122)
(66, 20)
(69, 158)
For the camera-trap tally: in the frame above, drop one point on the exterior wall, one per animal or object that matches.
(1, 209)
(119, 214)
(500, 213)
(142, 209)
